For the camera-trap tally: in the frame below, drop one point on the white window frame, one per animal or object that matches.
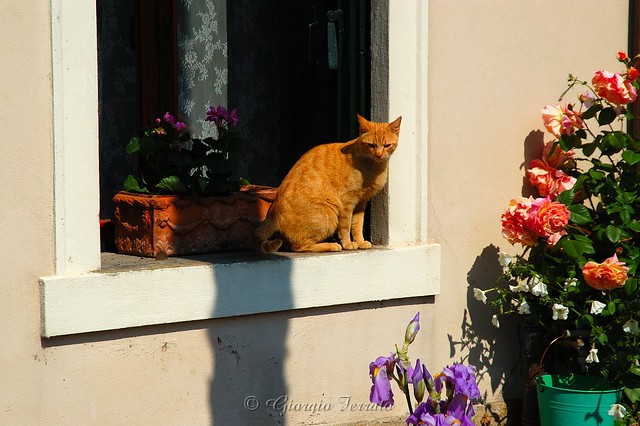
(81, 298)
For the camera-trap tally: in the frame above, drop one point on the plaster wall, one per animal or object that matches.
(492, 66)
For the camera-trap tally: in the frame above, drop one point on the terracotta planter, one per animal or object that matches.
(175, 225)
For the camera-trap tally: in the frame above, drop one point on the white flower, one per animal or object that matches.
(539, 289)
(571, 282)
(593, 356)
(524, 308)
(617, 411)
(560, 312)
(495, 322)
(504, 259)
(631, 326)
(520, 288)
(597, 307)
(479, 295)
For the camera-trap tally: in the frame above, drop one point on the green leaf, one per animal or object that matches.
(591, 112)
(589, 148)
(575, 248)
(630, 286)
(607, 116)
(613, 233)
(634, 226)
(602, 338)
(579, 213)
(566, 197)
(632, 393)
(596, 175)
(614, 141)
(133, 146)
(132, 184)
(172, 184)
(631, 157)
(611, 307)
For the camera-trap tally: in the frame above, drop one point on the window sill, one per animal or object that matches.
(132, 292)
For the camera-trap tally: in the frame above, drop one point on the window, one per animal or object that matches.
(83, 297)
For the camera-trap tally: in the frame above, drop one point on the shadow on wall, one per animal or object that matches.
(494, 351)
(249, 355)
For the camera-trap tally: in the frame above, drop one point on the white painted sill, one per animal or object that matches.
(176, 290)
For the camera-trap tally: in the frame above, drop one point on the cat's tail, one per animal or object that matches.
(263, 235)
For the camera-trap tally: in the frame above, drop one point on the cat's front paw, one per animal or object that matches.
(351, 245)
(364, 245)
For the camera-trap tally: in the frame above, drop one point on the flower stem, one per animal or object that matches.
(407, 396)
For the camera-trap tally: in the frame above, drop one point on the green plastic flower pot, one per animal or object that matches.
(566, 400)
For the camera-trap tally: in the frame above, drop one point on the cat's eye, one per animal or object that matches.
(386, 145)
(371, 145)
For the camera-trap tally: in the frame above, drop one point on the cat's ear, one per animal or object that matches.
(364, 124)
(394, 126)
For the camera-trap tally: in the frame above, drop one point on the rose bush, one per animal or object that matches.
(578, 273)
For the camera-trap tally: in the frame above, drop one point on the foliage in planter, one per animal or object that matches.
(581, 236)
(172, 162)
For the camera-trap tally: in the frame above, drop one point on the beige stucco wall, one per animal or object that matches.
(493, 65)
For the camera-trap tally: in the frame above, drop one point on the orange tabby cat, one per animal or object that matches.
(328, 190)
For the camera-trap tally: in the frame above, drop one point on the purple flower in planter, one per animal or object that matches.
(169, 118)
(221, 117)
(462, 377)
(381, 393)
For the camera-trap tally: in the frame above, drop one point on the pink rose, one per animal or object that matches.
(561, 120)
(548, 219)
(607, 275)
(613, 87)
(548, 180)
(554, 156)
(514, 218)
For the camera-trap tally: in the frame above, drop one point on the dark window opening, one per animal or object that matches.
(297, 71)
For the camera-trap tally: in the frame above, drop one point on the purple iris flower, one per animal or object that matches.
(459, 409)
(419, 377)
(412, 330)
(381, 393)
(425, 415)
(462, 377)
